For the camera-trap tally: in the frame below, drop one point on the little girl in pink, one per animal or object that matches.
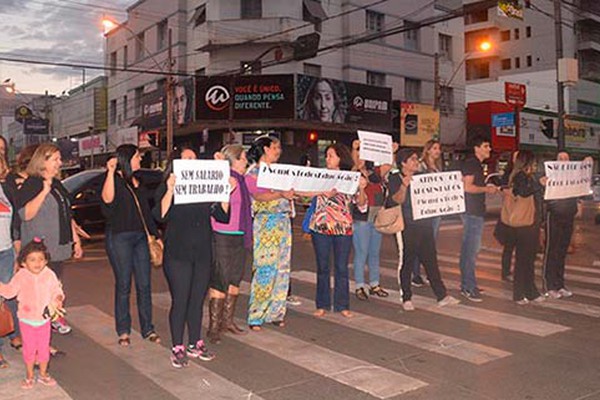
(40, 295)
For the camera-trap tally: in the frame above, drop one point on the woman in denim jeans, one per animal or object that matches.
(126, 242)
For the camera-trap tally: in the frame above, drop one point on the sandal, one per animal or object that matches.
(153, 337)
(346, 313)
(124, 341)
(27, 383)
(54, 352)
(319, 313)
(279, 324)
(16, 343)
(3, 363)
(255, 328)
(378, 291)
(361, 294)
(46, 380)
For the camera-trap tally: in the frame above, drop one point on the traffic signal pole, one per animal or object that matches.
(169, 90)
(559, 85)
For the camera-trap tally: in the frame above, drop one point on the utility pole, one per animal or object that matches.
(436, 81)
(169, 89)
(559, 85)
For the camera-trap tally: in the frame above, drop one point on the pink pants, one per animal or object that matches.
(36, 342)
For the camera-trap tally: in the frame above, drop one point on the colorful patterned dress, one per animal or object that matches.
(272, 255)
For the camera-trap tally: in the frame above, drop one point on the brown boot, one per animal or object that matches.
(229, 310)
(215, 312)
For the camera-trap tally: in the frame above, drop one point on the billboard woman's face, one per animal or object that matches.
(323, 101)
(179, 104)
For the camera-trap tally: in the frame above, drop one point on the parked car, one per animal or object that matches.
(590, 205)
(85, 188)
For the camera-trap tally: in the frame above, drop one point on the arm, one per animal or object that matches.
(77, 249)
(33, 206)
(167, 198)
(362, 201)
(471, 188)
(10, 289)
(108, 189)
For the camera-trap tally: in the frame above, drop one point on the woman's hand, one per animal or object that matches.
(171, 183)
(111, 165)
(47, 186)
(288, 194)
(77, 250)
(406, 180)
(543, 180)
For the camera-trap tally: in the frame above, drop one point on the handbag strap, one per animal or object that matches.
(139, 208)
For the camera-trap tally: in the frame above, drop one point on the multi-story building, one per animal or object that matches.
(524, 52)
(233, 39)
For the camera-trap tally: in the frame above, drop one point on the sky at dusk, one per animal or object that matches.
(56, 31)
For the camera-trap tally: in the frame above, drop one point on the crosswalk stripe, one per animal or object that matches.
(482, 316)
(10, 382)
(153, 362)
(464, 350)
(360, 375)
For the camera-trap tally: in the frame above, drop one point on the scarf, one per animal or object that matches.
(245, 212)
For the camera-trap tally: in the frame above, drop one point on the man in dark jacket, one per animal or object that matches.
(560, 216)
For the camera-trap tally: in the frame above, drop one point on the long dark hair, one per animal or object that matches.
(342, 151)
(176, 155)
(257, 150)
(524, 163)
(124, 154)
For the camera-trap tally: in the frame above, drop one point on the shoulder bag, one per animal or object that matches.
(517, 211)
(155, 246)
(7, 324)
(389, 220)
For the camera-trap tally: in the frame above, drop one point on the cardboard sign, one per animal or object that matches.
(306, 179)
(376, 147)
(437, 194)
(201, 181)
(567, 179)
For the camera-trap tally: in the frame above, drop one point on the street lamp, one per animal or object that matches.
(109, 24)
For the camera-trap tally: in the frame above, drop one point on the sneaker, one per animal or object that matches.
(61, 326)
(361, 294)
(539, 299)
(474, 295)
(293, 301)
(553, 294)
(417, 281)
(507, 278)
(408, 306)
(179, 357)
(46, 380)
(448, 301)
(199, 351)
(565, 293)
(522, 302)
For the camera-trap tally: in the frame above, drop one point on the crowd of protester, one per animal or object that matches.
(206, 245)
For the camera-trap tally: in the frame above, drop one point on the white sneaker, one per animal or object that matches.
(539, 299)
(553, 294)
(565, 293)
(522, 302)
(448, 301)
(408, 306)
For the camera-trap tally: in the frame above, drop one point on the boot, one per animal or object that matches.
(215, 312)
(227, 323)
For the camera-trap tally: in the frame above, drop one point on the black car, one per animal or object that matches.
(85, 188)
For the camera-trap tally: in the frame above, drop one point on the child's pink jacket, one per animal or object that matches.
(33, 292)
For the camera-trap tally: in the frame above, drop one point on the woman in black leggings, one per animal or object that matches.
(187, 263)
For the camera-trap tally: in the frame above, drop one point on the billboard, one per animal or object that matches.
(36, 126)
(94, 144)
(183, 101)
(245, 97)
(418, 124)
(579, 135)
(339, 102)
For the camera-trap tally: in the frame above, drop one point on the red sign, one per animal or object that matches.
(515, 94)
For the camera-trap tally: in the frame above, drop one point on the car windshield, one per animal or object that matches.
(73, 182)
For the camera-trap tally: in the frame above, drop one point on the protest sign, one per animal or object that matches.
(437, 194)
(376, 147)
(306, 179)
(201, 181)
(567, 179)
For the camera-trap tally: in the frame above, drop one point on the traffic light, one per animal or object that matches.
(312, 137)
(548, 128)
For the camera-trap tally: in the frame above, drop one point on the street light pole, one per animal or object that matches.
(560, 91)
(169, 90)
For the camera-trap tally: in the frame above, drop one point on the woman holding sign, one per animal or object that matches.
(331, 230)
(272, 243)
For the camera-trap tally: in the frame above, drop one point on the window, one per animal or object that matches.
(199, 16)
(200, 72)
(113, 112)
(162, 34)
(411, 36)
(412, 90)
(251, 9)
(517, 34)
(528, 31)
(137, 101)
(529, 61)
(445, 46)
(375, 78)
(446, 99)
(125, 57)
(505, 64)
(250, 67)
(125, 107)
(478, 69)
(505, 36)
(140, 46)
(517, 62)
(312, 70)
(475, 17)
(374, 21)
(113, 63)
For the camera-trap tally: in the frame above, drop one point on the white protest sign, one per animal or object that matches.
(437, 194)
(201, 181)
(376, 147)
(306, 179)
(567, 179)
